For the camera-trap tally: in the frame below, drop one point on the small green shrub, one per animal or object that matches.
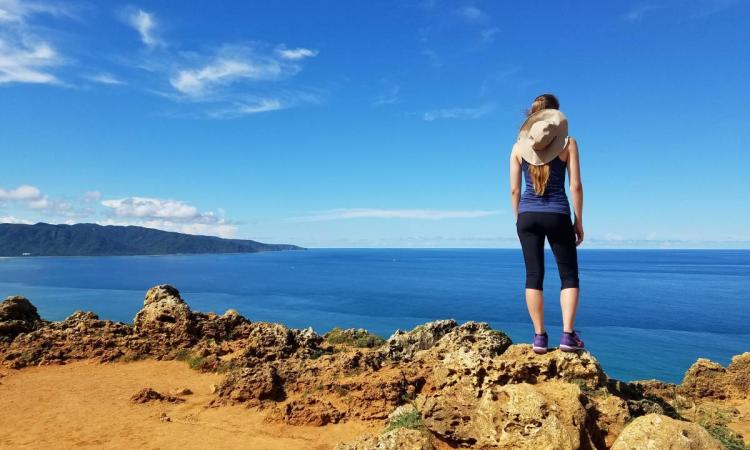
(411, 419)
(715, 422)
(194, 361)
(354, 338)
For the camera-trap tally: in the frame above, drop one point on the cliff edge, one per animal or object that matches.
(440, 385)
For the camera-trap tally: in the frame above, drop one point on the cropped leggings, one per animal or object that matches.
(532, 228)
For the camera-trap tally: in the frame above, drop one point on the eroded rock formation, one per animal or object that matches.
(443, 383)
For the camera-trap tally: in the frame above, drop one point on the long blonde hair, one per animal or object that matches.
(540, 174)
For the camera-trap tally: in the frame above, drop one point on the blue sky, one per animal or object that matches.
(373, 124)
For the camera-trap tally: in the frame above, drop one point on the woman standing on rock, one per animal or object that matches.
(544, 152)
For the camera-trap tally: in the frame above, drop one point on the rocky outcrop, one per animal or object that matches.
(403, 345)
(440, 384)
(397, 439)
(654, 431)
(709, 380)
(17, 316)
(165, 316)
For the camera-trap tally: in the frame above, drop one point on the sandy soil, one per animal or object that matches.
(742, 426)
(86, 404)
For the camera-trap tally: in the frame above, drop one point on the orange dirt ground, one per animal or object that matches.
(87, 404)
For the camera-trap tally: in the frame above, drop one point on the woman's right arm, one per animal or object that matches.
(576, 188)
(515, 183)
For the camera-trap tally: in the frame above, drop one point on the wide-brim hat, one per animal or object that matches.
(543, 136)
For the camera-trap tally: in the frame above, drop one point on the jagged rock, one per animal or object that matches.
(307, 411)
(608, 415)
(654, 431)
(519, 364)
(147, 395)
(705, 379)
(397, 439)
(17, 316)
(164, 313)
(739, 375)
(250, 386)
(519, 416)
(405, 344)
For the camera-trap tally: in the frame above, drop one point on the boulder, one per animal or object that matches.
(705, 379)
(147, 395)
(17, 315)
(654, 431)
(397, 439)
(518, 416)
(164, 315)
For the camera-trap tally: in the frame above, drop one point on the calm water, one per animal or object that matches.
(644, 313)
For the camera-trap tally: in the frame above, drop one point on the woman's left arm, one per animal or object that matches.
(515, 183)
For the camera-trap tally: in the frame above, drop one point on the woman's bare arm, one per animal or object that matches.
(515, 183)
(576, 187)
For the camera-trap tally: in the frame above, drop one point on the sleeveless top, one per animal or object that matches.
(554, 199)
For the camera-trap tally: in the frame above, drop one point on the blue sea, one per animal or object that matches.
(643, 313)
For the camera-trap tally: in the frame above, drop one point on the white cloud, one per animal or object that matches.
(92, 196)
(369, 213)
(151, 207)
(296, 53)
(222, 71)
(458, 113)
(13, 219)
(145, 23)
(22, 193)
(243, 109)
(105, 78)
(25, 56)
(472, 14)
(638, 12)
(170, 215)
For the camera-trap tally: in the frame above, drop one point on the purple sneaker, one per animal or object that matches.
(540, 343)
(570, 342)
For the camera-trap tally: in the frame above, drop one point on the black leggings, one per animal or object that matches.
(532, 228)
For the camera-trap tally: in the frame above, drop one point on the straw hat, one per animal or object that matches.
(542, 137)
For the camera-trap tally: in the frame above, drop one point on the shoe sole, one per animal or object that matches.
(568, 348)
(540, 350)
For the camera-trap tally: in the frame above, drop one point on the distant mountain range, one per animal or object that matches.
(87, 239)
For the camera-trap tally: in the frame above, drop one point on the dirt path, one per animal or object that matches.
(86, 404)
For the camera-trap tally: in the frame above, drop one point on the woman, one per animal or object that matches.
(543, 152)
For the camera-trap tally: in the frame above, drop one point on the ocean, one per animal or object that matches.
(643, 313)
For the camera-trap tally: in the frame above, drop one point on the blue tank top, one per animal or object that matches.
(554, 199)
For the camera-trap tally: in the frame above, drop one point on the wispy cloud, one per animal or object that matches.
(105, 78)
(473, 14)
(458, 113)
(224, 70)
(488, 34)
(239, 109)
(388, 97)
(681, 8)
(146, 25)
(638, 12)
(370, 213)
(25, 55)
(295, 54)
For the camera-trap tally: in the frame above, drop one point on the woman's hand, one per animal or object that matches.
(578, 228)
